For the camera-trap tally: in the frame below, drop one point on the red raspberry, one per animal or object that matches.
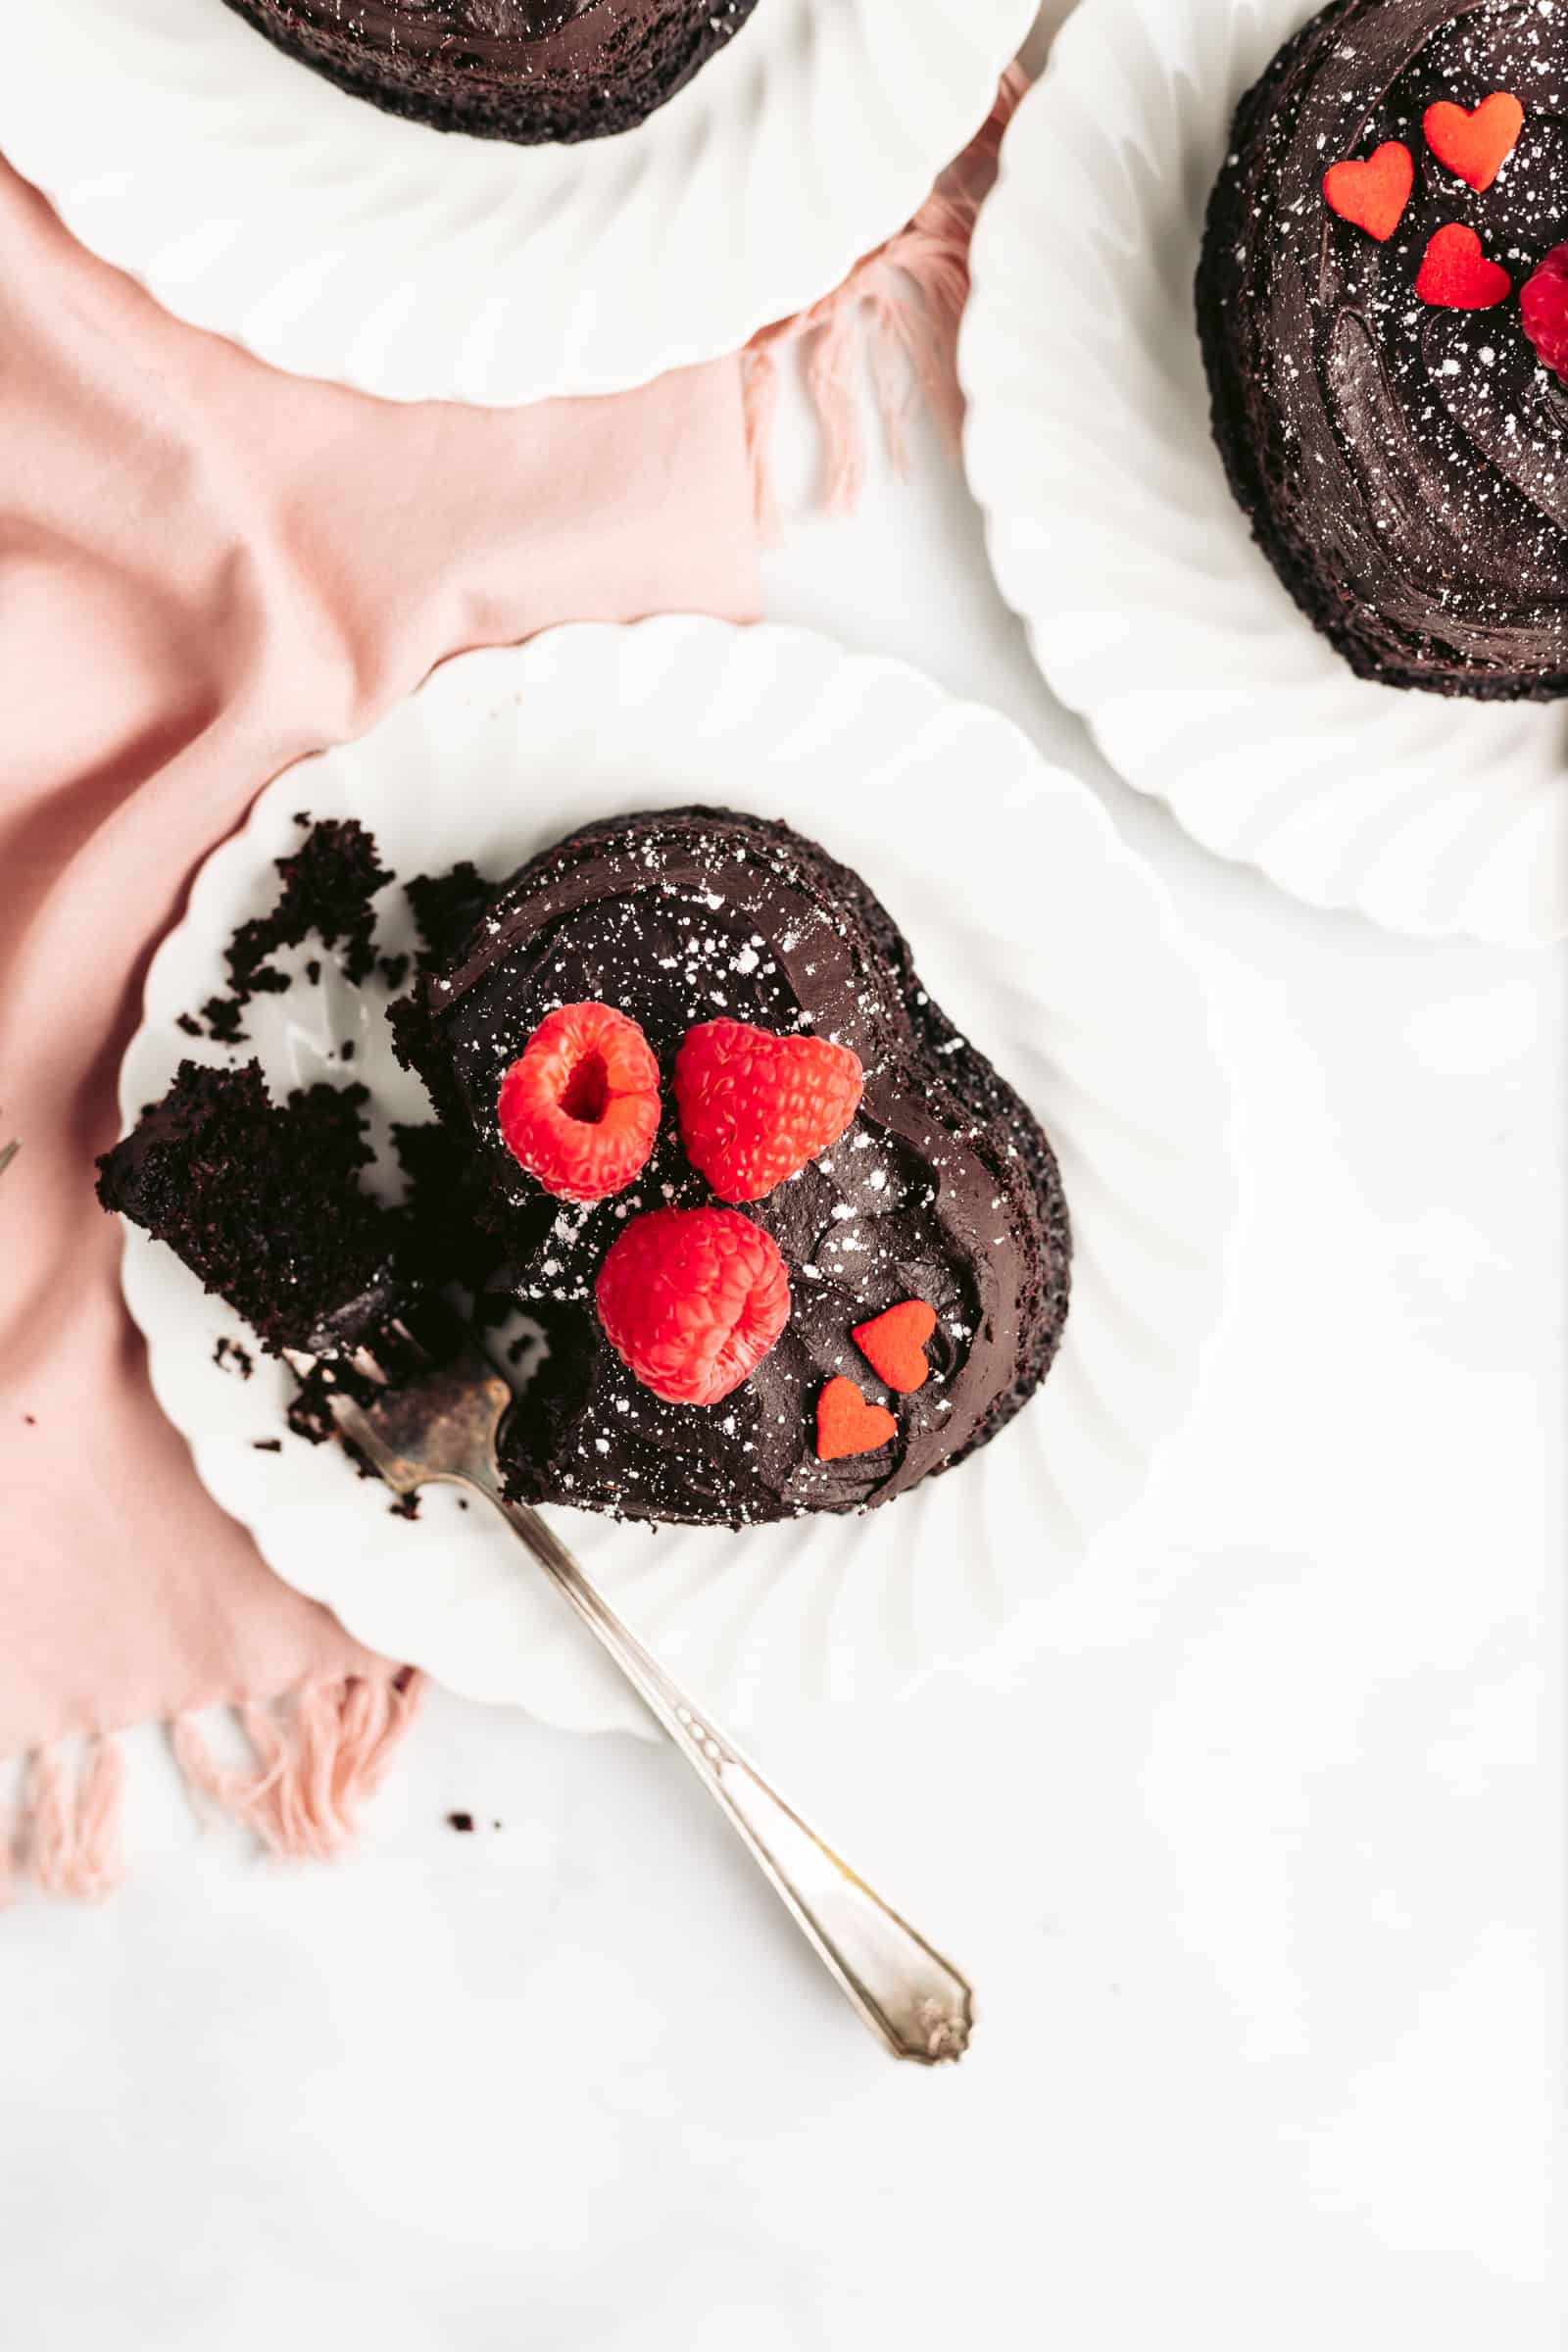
(692, 1299)
(579, 1108)
(1544, 308)
(754, 1108)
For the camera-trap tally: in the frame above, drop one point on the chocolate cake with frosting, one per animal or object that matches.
(527, 71)
(791, 1243)
(942, 1189)
(1394, 184)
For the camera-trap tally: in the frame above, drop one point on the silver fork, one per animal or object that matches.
(440, 1424)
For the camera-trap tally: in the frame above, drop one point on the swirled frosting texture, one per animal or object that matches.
(527, 71)
(1405, 468)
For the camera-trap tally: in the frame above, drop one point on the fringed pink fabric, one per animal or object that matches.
(320, 1756)
(317, 1761)
(72, 1828)
(897, 313)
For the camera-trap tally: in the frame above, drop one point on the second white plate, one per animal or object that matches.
(1046, 941)
(1113, 533)
(254, 199)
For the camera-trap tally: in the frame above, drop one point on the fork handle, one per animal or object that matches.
(905, 1991)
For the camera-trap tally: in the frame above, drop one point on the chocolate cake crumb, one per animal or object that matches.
(440, 1207)
(346, 1049)
(327, 885)
(268, 1444)
(460, 1820)
(394, 969)
(312, 970)
(222, 1022)
(445, 909)
(190, 1024)
(31, 1419)
(229, 1354)
(403, 1506)
(310, 1413)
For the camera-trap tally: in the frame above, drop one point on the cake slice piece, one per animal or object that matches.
(262, 1201)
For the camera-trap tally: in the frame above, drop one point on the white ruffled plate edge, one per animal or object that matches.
(1090, 966)
(336, 241)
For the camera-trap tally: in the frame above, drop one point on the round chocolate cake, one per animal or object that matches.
(1394, 182)
(941, 1197)
(528, 71)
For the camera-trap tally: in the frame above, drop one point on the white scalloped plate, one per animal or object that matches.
(256, 199)
(1114, 535)
(1042, 937)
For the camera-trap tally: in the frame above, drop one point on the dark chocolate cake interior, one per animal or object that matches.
(264, 1202)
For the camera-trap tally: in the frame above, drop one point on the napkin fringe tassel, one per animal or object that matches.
(897, 315)
(320, 1753)
(317, 1763)
(69, 1832)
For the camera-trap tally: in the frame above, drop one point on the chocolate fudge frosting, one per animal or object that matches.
(1404, 466)
(944, 1188)
(528, 71)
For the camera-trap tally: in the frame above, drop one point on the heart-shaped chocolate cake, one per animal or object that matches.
(828, 1149)
(1385, 348)
(528, 71)
(791, 1243)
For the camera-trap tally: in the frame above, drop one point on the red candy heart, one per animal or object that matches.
(1476, 145)
(1372, 195)
(1455, 274)
(846, 1424)
(894, 1344)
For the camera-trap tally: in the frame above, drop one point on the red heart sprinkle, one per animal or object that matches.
(1475, 145)
(1372, 195)
(894, 1344)
(846, 1424)
(1455, 274)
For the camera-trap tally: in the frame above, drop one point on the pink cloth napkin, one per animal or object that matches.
(208, 569)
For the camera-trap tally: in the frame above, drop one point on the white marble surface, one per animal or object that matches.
(1256, 1857)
